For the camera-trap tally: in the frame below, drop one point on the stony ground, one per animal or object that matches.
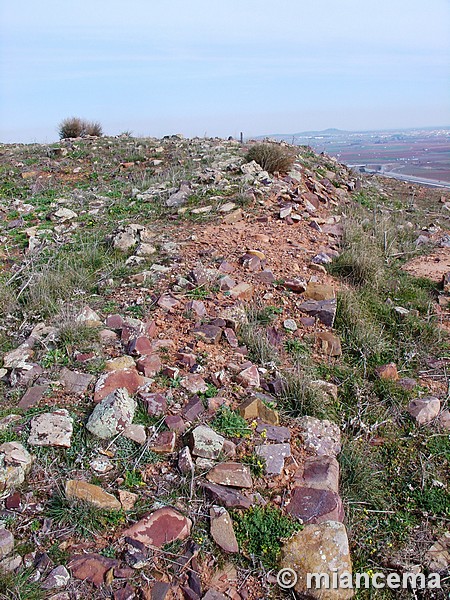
(198, 380)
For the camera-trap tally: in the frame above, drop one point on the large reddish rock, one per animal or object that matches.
(161, 527)
(149, 365)
(249, 377)
(315, 506)
(388, 372)
(222, 529)
(320, 472)
(424, 410)
(210, 334)
(123, 378)
(156, 403)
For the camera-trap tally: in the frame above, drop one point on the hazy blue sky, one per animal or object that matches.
(217, 68)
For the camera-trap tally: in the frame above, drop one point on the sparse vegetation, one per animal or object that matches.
(260, 531)
(74, 127)
(229, 423)
(272, 157)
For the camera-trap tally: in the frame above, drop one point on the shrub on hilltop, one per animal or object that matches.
(271, 157)
(74, 127)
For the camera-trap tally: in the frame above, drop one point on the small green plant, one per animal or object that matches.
(55, 357)
(260, 532)
(133, 479)
(296, 348)
(271, 157)
(21, 586)
(229, 423)
(256, 463)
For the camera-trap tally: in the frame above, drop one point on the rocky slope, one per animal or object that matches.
(174, 390)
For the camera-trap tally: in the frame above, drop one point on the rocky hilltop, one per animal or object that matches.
(209, 372)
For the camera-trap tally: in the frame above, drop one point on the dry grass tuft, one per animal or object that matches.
(271, 157)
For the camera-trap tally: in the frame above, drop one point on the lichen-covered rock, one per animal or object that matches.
(321, 548)
(205, 442)
(15, 462)
(424, 410)
(51, 429)
(320, 436)
(112, 415)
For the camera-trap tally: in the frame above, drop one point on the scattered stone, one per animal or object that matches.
(319, 472)
(322, 259)
(140, 346)
(226, 496)
(274, 433)
(15, 462)
(193, 409)
(444, 420)
(93, 494)
(208, 333)
(329, 343)
(388, 372)
(136, 433)
(156, 403)
(195, 384)
(265, 276)
(167, 302)
(249, 377)
(185, 462)
(6, 542)
(407, 383)
(57, 578)
(254, 408)
(180, 197)
(164, 442)
(231, 337)
(112, 415)
(274, 455)
(91, 567)
(149, 366)
(424, 410)
(437, 557)
(51, 429)
(321, 548)
(324, 310)
(124, 378)
(89, 317)
(205, 442)
(32, 396)
(222, 529)
(312, 505)
(75, 382)
(231, 474)
(101, 465)
(196, 306)
(290, 325)
(326, 388)
(64, 214)
(163, 526)
(297, 285)
(319, 291)
(320, 437)
(243, 291)
(127, 499)
(10, 564)
(175, 423)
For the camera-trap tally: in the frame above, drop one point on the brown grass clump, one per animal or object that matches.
(74, 127)
(271, 157)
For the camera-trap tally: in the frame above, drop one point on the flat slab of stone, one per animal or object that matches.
(320, 472)
(94, 494)
(32, 396)
(164, 442)
(274, 455)
(249, 377)
(205, 442)
(329, 344)
(128, 379)
(319, 291)
(112, 415)
(321, 548)
(163, 526)
(15, 462)
(6, 542)
(324, 310)
(274, 433)
(75, 382)
(231, 474)
(222, 530)
(91, 567)
(255, 408)
(424, 410)
(51, 429)
(312, 505)
(320, 436)
(210, 334)
(226, 496)
(437, 557)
